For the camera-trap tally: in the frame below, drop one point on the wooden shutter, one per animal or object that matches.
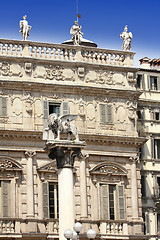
(158, 83)
(106, 113)
(143, 82)
(65, 108)
(148, 82)
(104, 208)
(5, 198)
(102, 113)
(3, 106)
(45, 113)
(121, 202)
(45, 199)
(109, 113)
(143, 186)
(152, 148)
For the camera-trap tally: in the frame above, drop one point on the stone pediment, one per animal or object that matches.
(49, 167)
(109, 169)
(9, 164)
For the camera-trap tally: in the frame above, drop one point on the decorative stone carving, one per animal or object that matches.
(127, 37)
(64, 156)
(28, 67)
(7, 163)
(131, 77)
(25, 28)
(62, 124)
(30, 154)
(28, 102)
(49, 167)
(8, 69)
(81, 72)
(76, 33)
(121, 114)
(131, 106)
(106, 170)
(54, 72)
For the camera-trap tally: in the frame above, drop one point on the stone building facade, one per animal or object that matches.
(37, 79)
(148, 81)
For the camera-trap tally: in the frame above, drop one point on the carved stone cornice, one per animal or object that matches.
(20, 134)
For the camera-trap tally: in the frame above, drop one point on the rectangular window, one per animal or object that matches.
(158, 224)
(157, 148)
(50, 200)
(54, 108)
(153, 83)
(143, 186)
(106, 113)
(5, 198)
(112, 202)
(139, 81)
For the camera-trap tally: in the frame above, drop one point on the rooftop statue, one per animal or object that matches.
(25, 28)
(127, 38)
(76, 33)
(62, 124)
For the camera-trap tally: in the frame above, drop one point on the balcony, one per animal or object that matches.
(66, 53)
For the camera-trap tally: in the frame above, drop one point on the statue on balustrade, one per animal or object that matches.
(76, 33)
(25, 28)
(127, 38)
(62, 124)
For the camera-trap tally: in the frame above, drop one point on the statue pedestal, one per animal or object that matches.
(65, 152)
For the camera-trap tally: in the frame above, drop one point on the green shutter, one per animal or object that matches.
(104, 208)
(5, 198)
(102, 113)
(121, 202)
(45, 113)
(65, 108)
(45, 199)
(3, 106)
(109, 113)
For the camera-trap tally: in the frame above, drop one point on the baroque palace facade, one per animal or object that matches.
(99, 85)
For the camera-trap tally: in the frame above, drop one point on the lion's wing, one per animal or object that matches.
(68, 117)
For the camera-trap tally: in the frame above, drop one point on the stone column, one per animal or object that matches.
(30, 185)
(65, 160)
(134, 190)
(83, 186)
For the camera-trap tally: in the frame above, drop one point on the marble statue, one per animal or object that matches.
(127, 38)
(62, 124)
(76, 33)
(25, 28)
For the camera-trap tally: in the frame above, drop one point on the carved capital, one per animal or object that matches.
(30, 154)
(83, 155)
(134, 159)
(64, 156)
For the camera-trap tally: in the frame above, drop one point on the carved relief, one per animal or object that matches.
(131, 77)
(91, 76)
(90, 110)
(39, 72)
(119, 79)
(8, 69)
(106, 170)
(131, 106)
(28, 67)
(121, 114)
(54, 73)
(38, 108)
(17, 106)
(28, 102)
(68, 74)
(7, 163)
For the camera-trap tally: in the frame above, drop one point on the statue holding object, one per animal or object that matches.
(76, 33)
(25, 28)
(62, 124)
(127, 38)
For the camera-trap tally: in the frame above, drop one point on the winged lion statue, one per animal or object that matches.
(62, 124)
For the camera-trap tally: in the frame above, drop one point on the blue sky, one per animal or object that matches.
(102, 22)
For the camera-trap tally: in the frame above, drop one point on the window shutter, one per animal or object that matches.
(45, 199)
(109, 113)
(121, 203)
(102, 113)
(152, 148)
(158, 83)
(3, 106)
(45, 113)
(104, 208)
(65, 108)
(148, 81)
(143, 82)
(5, 198)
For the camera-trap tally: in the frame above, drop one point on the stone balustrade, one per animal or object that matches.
(7, 226)
(114, 227)
(61, 52)
(48, 226)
